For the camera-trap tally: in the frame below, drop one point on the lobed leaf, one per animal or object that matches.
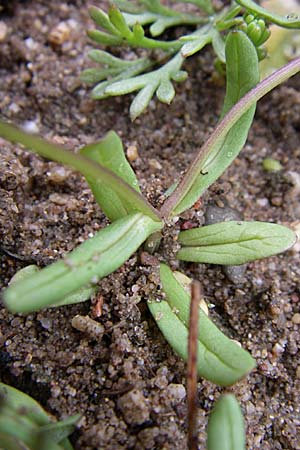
(220, 360)
(234, 242)
(197, 40)
(102, 20)
(102, 57)
(142, 100)
(87, 264)
(118, 21)
(165, 92)
(104, 38)
(109, 153)
(226, 430)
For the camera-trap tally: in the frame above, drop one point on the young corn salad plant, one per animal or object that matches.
(134, 220)
(125, 23)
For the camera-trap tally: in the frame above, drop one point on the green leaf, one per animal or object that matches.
(88, 263)
(289, 21)
(79, 296)
(27, 418)
(104, 38)
(58, 431)
(218, 45)
(94, 75)
(233, 242)
(142, 100)
(220, 360)
(180, 76)
(197, 40)
(17, 400)
(226, 430)
(148, 84)
(106, 58)
(133, 68)
(165, 92)
(110, 154)
(90, 169)
(222, 148)
(102, 20)
(240, 53)
(119, 22)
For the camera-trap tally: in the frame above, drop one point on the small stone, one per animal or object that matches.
(58, 174)
(277, 349)
(298, 372)
(3, 31)
(88, 325)
(134, 407)
(176, 392)
(14, 108)
(30, 127)
(276, 201)
(59, 34)
(132, 153)
(262, 202)
(154, 164)
(296, 318)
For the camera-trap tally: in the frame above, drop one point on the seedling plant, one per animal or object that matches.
(162, 60)
(135, 221)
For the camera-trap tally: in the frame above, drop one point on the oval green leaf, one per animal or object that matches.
(220, 360)
(87, 264)
(109, 153)
(234, 242)
(226, 430)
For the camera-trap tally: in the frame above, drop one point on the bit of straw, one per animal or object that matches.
(196, 295)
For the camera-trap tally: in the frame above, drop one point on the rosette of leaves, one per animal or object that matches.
(24, 424)
(134, 219)
(127, 24)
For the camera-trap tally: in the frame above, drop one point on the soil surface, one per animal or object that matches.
(128, 385)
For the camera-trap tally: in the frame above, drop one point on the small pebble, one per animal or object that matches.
(277, 349)
(296, 318)
(176, 392)
(132, 153)
(30, 127)
(59, 34)
(3, 31)
(154, 164)
(58, 174)
(88, 325)
(276, 201)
